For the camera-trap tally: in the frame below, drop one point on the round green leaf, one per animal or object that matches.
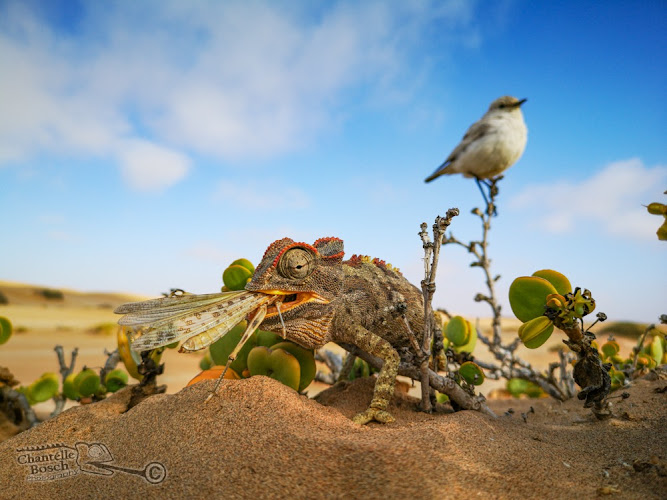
(87, 382)
(5, 329)
(558, 280)
(470, 345)
(471, 373)
(206, 362)
(610, 348)
(536, 332)
(306, 359)
(69, 389)
(244, 263)
(518, 386)
(44, 388)
(277, 364)
(235, 277)
(266, 338)
(116, 380)
(656, 350)
(528, 296)
(458, 331)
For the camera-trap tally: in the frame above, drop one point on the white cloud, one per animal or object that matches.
(612, 199)
(148, 167)
(226, 79)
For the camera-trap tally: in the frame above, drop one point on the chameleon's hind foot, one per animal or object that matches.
(382, 416)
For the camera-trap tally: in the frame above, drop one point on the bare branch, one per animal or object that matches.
(65, 371)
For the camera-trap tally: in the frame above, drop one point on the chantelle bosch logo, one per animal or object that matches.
(50, 462)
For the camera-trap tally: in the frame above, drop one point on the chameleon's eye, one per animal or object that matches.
(296, 263)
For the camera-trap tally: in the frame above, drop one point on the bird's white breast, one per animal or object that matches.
(499, 148)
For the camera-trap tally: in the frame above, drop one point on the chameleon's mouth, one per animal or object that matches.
(287, 300)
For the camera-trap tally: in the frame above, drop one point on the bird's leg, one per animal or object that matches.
(489, 206)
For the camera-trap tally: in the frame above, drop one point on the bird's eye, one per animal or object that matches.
(296, 263)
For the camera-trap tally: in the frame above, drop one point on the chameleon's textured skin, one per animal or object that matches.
(368, 303)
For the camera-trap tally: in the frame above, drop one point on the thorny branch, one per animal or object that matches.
(510, 366)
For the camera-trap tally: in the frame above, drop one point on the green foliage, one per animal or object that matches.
(536, 332)
(206, 362)
(238, 274)
(536, 300)
(558, 280)
(87, 382)
(5, 329)
(69, 388)
(244, 263)
(50, 294)
(116, 380)
(306, 359)
(458, 331)
(441, 398)
(518, 386)
(528, 296)
(459, 335)
(43, 389)
(659, 209)
(471, 373)
(275, 363)
(360, 369)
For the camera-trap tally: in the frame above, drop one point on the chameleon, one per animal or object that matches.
(310, 295)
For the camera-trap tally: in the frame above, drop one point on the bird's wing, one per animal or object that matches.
(476, 131)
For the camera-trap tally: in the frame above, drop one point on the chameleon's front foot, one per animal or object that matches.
(377, 414)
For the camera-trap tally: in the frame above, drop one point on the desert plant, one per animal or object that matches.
(545, 301)
(5, 330)
(508, 365)
(659, 209)
(51, 294)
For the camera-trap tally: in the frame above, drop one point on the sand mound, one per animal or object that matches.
(260, 439)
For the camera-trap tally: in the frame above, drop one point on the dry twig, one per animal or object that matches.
(510, 366)
(65, 371)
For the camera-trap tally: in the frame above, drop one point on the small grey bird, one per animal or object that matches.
(491, 145)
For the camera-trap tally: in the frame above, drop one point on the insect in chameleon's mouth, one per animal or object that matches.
(289, 300)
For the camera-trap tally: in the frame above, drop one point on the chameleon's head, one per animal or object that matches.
(307, 277)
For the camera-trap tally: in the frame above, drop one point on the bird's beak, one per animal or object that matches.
(518, 104)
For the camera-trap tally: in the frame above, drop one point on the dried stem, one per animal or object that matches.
(113, 358)
(65, 371)
(431, 257)
(333, 363)
(442, 384)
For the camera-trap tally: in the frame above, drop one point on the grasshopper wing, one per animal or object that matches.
(173, 319)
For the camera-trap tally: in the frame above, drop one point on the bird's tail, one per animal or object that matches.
(441, 170)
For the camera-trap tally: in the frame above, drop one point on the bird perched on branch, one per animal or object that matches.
(491, 145)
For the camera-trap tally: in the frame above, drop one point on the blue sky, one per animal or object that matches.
(145, 145)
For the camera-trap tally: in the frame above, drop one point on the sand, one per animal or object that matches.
(260, 439)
